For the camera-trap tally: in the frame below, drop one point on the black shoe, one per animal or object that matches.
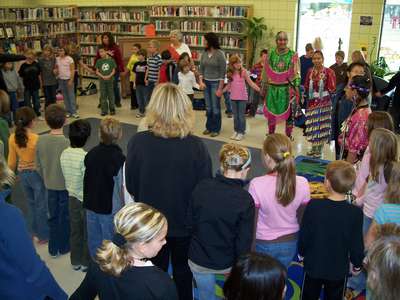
(112, 112)
(99, 105)
(134, 107)
(118, 104)
(103, 114)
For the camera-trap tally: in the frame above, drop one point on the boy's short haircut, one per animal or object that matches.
(55, 116)
(101, 47)
(341, 176)
(110, 130)
(166, 55)
(137, 45)
(263, 51)
(183, 63)
(155, 44)
(340, 53)
(4, 103)
(30, 51)
(142, 52)
(309, 47)
(79, 132)
(49, 48)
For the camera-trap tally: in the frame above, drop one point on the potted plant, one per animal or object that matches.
(255, 32)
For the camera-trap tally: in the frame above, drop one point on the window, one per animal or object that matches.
(328, 19)
(390, 37)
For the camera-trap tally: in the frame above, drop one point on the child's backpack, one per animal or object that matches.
(90, 89)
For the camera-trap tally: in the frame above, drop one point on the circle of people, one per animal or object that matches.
(125, 220)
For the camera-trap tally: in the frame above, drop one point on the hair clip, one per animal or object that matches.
(119, 240)
(286, 154)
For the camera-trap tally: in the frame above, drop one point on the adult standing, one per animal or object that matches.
(163, 166)
(177, 46)
(212, 75)
(394, 82)
(114, 52)
(282, 66)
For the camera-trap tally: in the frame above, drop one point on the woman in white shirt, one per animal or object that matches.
(177, 46)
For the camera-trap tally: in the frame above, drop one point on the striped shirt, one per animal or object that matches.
(73, 168)
(388, 213)
(153, 64)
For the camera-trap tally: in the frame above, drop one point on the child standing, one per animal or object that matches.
(4, 126)
(48, 153)
(331, 236)
(354, 137)
(154, 63)
(221, 219)
(102, 163)
(22, 146)
(319, 86)
(10, 77)
(256, 74)
(389, 211)
(279, 196)
(140, 70)
(132, 60)
(73, 169)
(30, 74)
(105, 69)
(47, 63)
(371, 182)
(237, 76)
(66, 72)
(340, 69)
(187, 80)
(167, 68)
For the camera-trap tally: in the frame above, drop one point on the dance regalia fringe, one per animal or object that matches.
(319, 107)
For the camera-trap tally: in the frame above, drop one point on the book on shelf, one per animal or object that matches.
(58, 28)
(193, 26)
(117, 28)
(2, 33)
(89, 50)
(115, 15)
(9, 32)
(59, 12)
(225, 41)
(90, 38)
(199, 11)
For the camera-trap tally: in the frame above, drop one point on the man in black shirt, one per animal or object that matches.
(331, 236)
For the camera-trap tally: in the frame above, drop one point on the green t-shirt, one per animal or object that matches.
(105, 66)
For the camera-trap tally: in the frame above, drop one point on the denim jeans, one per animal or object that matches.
(13, 103)
(34, 96)
(99, 227)
(58, 222)
(239, 118)
(50, 92)
(177, 248)
(228, 102)
(134, 103)
(69, 96)
(205, 283)
(78, 238)
(213, 106)
(366, 224)
(150, 87)
(117, 95)
(142, 97)
(282, 251)
(35, 194)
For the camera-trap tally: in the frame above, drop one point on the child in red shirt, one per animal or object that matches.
(167, 69)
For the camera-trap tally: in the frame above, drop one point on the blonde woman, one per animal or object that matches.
(163, 166)
(122, 267)
(221, 218)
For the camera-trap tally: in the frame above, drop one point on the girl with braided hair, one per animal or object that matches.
(354, 136)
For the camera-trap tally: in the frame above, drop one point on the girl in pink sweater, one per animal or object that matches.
(371, 181)
(238, 76)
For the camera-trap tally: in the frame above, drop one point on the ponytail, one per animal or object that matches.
(134, 223)
(278, 147)
(24, 116)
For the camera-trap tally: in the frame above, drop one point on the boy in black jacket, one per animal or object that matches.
(221, 219)
(331, 236)
(102, 163)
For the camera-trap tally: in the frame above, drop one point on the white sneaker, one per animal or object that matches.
(239, 136)
(76, 116)
(234, 135)
(40, 118)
